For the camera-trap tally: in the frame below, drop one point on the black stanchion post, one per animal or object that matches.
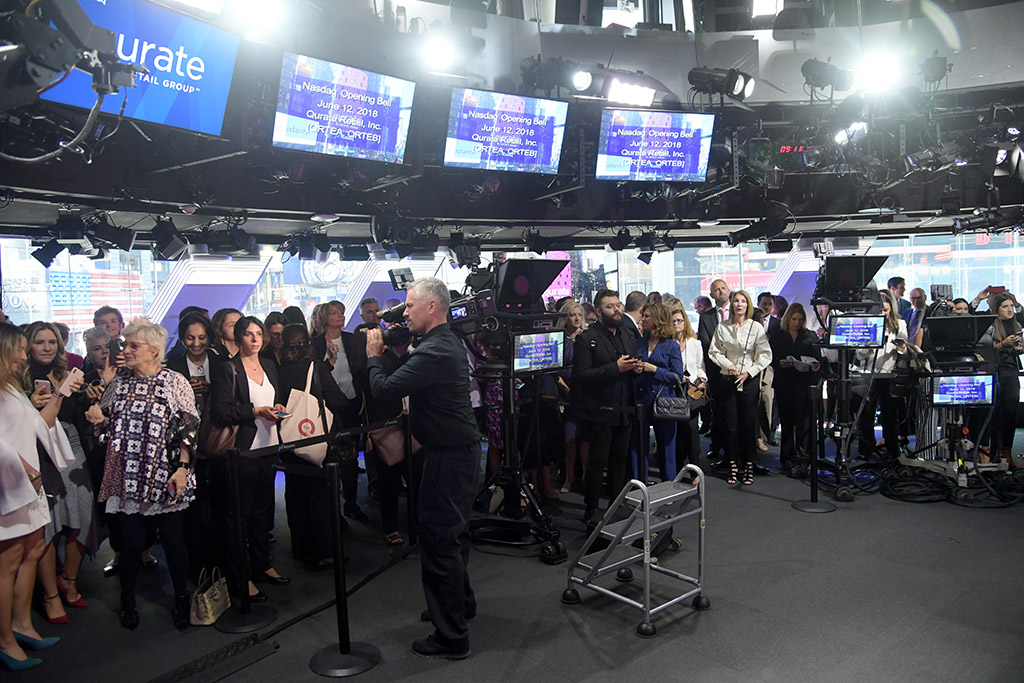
(643, 438)
(817, 442)
(411, 491)
(346, 658)
(246, 617)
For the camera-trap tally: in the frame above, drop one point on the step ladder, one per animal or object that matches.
(645, 511)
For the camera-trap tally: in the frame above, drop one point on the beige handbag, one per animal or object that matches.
(389, 442)
(210, 599)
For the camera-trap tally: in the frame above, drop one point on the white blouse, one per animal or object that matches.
(745, 346)
(884, 359)
(693, 359)
(22, 510)
(263, 395)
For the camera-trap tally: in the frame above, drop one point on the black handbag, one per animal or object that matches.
(697, 398)
(675, 408)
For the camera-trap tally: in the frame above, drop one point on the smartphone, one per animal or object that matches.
(996, 289)
(65, 386)
(172, 489)
(43, 385)
(115, 348)
(281, 414)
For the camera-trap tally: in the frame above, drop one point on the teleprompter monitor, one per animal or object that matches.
(500, 132)
(856, 331)
(640, 144)
(844, 278)
(962, 390)
(537, 352)
(329, 108)
(190, 63)
(958, 331)
(522, 282)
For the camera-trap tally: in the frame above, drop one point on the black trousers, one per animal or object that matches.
(448, 485)
(1004, 417)
(739, 413)
(204, 518)
(135, 532)
(890, 408)
(688, 442)
(307, 504)
(794, 404)
(720, 387)
(256, 498)
(609, 449)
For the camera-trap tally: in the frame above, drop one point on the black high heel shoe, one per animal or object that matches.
(734, 472)
(129, 616)
(182, 603)
(748, 474)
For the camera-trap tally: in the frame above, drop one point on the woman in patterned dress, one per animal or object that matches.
(151, 428)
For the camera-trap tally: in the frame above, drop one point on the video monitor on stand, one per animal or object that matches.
(962, 390)
(844, 282)
(856, 331)
(538, 352)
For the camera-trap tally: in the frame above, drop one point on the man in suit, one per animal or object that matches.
(915, 314)
(766, 302)
(898, 286)
(706, 326)
(605, 364)
(635, 301)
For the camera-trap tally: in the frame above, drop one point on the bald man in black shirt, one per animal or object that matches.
(435, 377)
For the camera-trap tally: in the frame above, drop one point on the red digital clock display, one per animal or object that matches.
(786, 149)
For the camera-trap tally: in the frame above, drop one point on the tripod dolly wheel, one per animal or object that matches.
(843, 494)
(963, 496)
(624, 575)
(701, 603)
(570, 596)
(646, 630)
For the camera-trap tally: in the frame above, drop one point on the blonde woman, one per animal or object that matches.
(662, 372)
(687, 433)
(23, 507)
(740, 350)
(576, 442)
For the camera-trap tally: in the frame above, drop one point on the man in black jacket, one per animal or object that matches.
(706, 326)
(435, 377)
(605, 363)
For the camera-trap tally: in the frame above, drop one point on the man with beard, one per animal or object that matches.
(605, 363)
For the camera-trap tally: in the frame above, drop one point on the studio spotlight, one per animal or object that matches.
(355, 252)
(645, 257)
(819, 74)
(935, 68)
(289, 249)
(48, 252)
(766, 228)
(992, 219)
(880, 72)
(233, 241)
(645, 242)
(621, 240)
(121, 238)
(536, 242)
(582, 80)
(169, 243)
(629, 93)
(1001, 159)
(934, 157)
(438, 53)
(730, 82)
(854, 131)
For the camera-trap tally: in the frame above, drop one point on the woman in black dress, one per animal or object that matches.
(793, 339)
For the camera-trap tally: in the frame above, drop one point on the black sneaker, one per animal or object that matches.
(129, 615)
(430, 648)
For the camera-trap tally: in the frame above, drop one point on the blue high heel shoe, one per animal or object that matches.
(35, 643)
(19, 665)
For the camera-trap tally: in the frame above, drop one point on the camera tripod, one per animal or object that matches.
(519, 514)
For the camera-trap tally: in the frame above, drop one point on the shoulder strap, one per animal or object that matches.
(317, 393)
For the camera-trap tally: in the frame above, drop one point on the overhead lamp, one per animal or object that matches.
(169, 243)
(48, 252)
(819, 74)
(669, 243)
(438, 52)
(645, 257)
(854, 131)
(582, 80)
(935, 68)
(1001, 159)
(536, 242)
(765, 228)
(355, 252)
(557, 72)
(631, 94)
(289, 249)
(934, 157)
(778, 246)
(122, 238)
(621, 240)
(233, 241)
(1012, 132)
(994, 219)
(645, 242)
(732, 82)
(879, 72)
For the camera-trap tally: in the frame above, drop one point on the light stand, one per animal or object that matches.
(817, 451)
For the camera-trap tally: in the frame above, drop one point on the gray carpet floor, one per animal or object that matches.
(879, 590)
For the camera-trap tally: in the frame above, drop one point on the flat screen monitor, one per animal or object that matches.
(856, 331)
(537, 352)
(962, 390)
(654, 145)
(522, 282)
(843, 278)
(499, 132)
(329, 108)
(958, 331)
(190, 64)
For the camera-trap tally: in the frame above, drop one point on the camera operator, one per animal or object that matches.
(436, 379)
(1006, 337)
(605, 365)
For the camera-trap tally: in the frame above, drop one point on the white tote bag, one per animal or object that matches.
(306, 421)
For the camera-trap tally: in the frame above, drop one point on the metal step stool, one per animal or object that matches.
(651, 509)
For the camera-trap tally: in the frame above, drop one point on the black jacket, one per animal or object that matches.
(229, 407)
(706, 326)
(595, 373)
(783, 345)
(293, 376)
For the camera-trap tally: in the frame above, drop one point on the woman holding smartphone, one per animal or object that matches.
(881, 362)
(244, 393)
(1006, 337)
(741, 351)
(72, 508)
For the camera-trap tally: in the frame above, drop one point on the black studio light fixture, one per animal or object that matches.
(730, 82)
(621, 240)
(765, 228)
(536, 242)
(103, 229)
(169, 243)
(48, 252)
(819, 74)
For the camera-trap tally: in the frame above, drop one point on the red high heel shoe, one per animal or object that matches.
(80, 602)
(62, 619)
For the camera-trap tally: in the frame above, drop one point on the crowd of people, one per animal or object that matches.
(127, 451)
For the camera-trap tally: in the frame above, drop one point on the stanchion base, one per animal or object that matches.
(234, 621)
(809, 506)
(331, 663)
